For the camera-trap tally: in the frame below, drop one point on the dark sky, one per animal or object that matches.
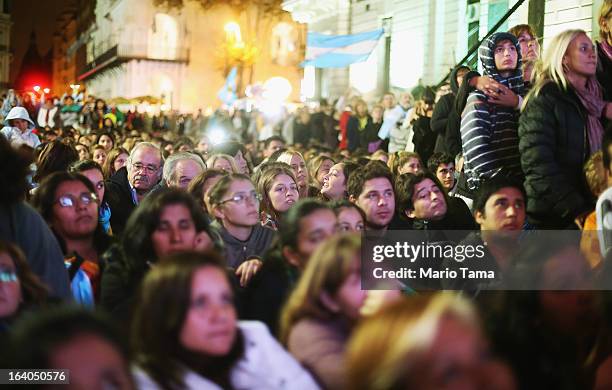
(39, 15)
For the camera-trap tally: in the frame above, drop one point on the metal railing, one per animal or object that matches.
(475, 47)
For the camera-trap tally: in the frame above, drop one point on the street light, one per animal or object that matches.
(36, 88)
(46, 90)
(232, 31)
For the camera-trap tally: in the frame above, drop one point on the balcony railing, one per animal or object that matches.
(117, 54)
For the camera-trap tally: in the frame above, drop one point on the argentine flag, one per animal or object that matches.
(338, 51)
(227, 93)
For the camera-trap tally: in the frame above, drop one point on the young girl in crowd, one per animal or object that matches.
(430, 341)
(235, 207)
(186, 334)
(322, 310)
(565, 103)
(201, 185)
(319, 166)
(115, 160)
(20, 288)
(92, 171)
(165, 222)
(279, 191)
(83, 151)
(106, 140)
(296, 161)
(308, 224)
(69, 204)
(350, 217)
(98, 154)
(222, 162)
(334, 183)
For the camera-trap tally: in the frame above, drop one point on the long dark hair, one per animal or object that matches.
(162, 308)
(44, 198)
(55, 156)
(137, 243)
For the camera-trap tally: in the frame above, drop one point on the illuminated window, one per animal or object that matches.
(284, 44)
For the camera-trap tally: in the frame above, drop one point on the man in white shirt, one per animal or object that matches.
(48, 115)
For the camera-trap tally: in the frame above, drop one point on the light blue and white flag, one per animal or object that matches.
(227, 93)
(338, 51)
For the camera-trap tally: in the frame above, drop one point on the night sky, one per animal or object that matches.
(39, 15)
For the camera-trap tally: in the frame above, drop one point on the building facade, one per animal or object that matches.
(5, 39)
(72, 30)
(423, 39)
(179, 55)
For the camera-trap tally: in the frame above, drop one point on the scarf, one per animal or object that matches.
(592, 100)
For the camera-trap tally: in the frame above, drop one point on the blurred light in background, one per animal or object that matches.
(277, 89)
(217, 135)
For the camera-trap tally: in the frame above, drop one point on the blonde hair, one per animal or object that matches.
(605, 10)
(326, 270)
(286, 158)
(314, 164)
(594, 172)
(213, 159)
(385, 348)
(550, 68)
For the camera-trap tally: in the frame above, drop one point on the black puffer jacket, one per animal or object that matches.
(554, 147)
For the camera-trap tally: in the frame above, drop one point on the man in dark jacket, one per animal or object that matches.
(129, 185)
(489, 132)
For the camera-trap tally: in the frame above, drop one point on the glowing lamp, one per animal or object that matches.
(277, 89)
(36, 88)
(46, 90)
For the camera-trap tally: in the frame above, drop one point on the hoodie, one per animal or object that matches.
(489, 132)
(237, 252)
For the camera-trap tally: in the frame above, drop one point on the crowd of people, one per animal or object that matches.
(140, 257)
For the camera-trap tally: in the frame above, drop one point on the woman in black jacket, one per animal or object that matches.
(560, 127)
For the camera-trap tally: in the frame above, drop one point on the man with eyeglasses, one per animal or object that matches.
(129, 185)
(235, 205)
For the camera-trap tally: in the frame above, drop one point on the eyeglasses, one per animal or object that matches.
(8, 276)
(70, 201)
(149, 168)
(241, 198)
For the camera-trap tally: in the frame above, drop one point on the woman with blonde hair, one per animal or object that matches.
(116, 159)
(296, 161)
(319, 165)
(429, 341)
(224, 162)
(559, 128)
(323, 308)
